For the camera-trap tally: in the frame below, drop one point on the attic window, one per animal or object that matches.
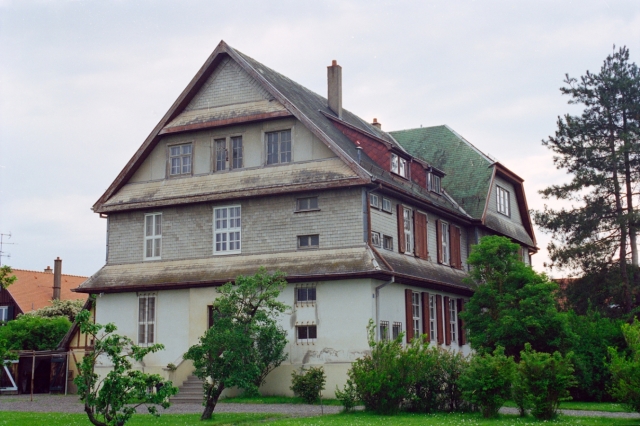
(433, 183)
(180, 159)
(504, 206)
(399, 166)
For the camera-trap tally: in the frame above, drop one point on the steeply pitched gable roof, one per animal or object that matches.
(34, 290)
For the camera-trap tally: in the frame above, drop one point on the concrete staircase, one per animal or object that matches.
(190, 392)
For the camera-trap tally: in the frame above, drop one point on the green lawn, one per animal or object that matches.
(609, 407)
(355, 419)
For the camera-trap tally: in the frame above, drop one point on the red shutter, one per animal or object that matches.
(439, 319)
(420, 235)
(447, 322)
(425, 317)
(461, 336)
(439, 239)
(408, 304)
(456, 255)
(401, 242)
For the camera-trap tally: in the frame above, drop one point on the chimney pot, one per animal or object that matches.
(376, 124)
(57, 278)
(48, 270)
(334, 88)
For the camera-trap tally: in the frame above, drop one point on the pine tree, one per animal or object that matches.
(600, 149)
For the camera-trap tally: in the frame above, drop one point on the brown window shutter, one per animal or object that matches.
(401, 242)
(409, 313)
(447, 322)
(420, 235)
(425, 317)
(461, 336)
(456, 252)
(439, 239)
(439, 319)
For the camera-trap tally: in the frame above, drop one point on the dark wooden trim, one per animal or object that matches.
(439, 319)
(225, 122)
(408, 308)
(439, 239)
(401, 239)
(420, 235)
(447, 321)
(462, 340)
(425, 316)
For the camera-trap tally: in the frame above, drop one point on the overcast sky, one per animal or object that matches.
(82, 83)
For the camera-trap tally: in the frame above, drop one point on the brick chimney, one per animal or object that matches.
(376, 124)
(334, 95)
(48, 270)
(57, 278)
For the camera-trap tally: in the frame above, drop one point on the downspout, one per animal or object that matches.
(377, 293)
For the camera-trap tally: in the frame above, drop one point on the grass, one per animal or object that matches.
(275, 400)
(608, 407)
(352, 419)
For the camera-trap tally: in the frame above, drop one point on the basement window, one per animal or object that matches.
(396, 330)
(384, 330)
(306, 333)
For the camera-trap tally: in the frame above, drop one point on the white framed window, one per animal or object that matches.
(308, 241)
(408, 229)
(399, 166)
(236, 152)
(416, 312)
(306, 333)
(152, 236)
(432, 318)
(180, 159)
(221, 154)
(306, 294)
(433, 182)
(503, 201)
(453, 319)
(375, 238)
(386, 205)
(278, 147)
(384, 330)
(396, 330)
(222, 148)
(446, 255)
(374, 200)
(306, 204)
(4, 313)
(387, 242)
(146, 319)
(227, 230)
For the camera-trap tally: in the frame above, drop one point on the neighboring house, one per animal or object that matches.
(34, 290)
(76, 344)
(250, 169)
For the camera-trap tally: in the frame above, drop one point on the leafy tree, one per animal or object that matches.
(6, 279)
(626, 370)
(512, 304)
(28, 332)
(244, 343)
(112, 400)
(600, 148)
(59, 308)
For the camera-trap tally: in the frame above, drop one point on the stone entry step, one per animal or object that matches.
(189, 393)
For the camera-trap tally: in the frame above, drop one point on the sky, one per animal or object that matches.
(83, 83)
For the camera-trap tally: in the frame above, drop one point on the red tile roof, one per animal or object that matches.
(34, 290)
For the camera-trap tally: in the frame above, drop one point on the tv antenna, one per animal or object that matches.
(2, 244)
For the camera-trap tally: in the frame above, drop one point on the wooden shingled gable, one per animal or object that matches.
(168, 123)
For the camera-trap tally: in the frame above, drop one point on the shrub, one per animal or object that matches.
(426, 377)
(308, 384)
(29, 332)
(519, 394)
(348, 396)
(486, 383)
(546, 379)
(454, 364)
(626, 370)
(381, 378)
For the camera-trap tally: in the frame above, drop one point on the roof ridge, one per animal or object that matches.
(47, 273)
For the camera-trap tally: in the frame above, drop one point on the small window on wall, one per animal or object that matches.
(4, 313)
(408, 230)
(397, 329)
(446, 255)
(384, 330)
(152, 236)
(375, 239)
(416, 313)
(306, 294)
(306, 204)
(146, 319)
(503, 201)
(308, 241)
(387, 242)
(399, 166)
(386, 205)
(306, 333)
(374, 200)
(278, 147)
(227, 228)
(180, 157)
(432, 317)
(453, 320)
(433, 183)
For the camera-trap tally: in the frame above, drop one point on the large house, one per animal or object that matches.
(250, 169)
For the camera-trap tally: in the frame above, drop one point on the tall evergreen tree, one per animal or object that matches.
(600, 149)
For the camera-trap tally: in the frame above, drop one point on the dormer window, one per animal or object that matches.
(399, 166)
(433, 183)
(180, 159)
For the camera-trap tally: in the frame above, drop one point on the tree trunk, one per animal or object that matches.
(92, 417)
(211, 400)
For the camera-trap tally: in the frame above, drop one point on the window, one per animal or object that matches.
(209, 316)
(146, 319)
(416, 311)
(152, 236)
(306, 204)
(374, 200)
(306, 294)
(387, 242)
(386, 205)
(278, 147)
(453, 320)
(375, 239)
(227, 230)
(445, 243)
(432, 317)
(180, 159)
(384, 330)
(308, 241)
(399, 166)
(408, 229)
(222, 153)
(397, 329)
(503, 201)
(433, 182)
(306, 333)
(4, 313)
